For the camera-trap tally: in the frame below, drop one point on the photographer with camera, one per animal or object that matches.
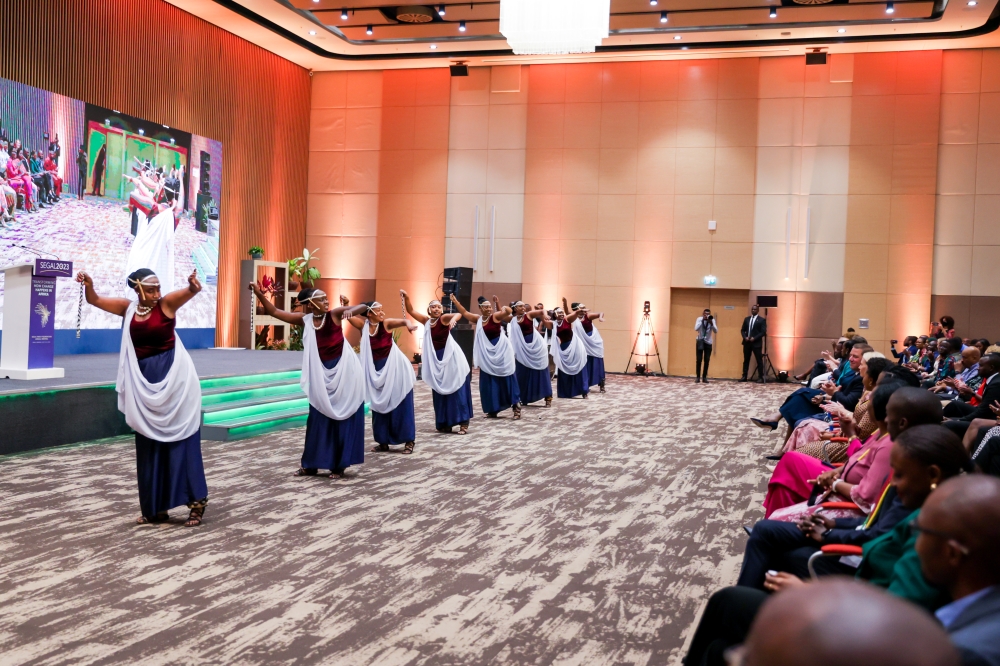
(707, 328)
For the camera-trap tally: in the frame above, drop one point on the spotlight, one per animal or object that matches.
(461, 26)
(312, 32)
(142, 132)
(640, 368)
(677, 36)
(653, 3)
(343, 14)
(841, 29)
(890, 8)
(663, 17)
(440, 10)
(369, 30)
(773, 13)
(172, 140)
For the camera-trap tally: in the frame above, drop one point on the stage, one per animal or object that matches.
(82, 405)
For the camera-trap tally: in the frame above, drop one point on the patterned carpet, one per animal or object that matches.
(590, 533)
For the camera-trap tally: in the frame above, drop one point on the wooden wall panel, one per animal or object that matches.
(149, 59)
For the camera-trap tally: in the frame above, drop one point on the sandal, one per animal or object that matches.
(304, 471)
(517, 412)
(492, 415)
(409, 447)
(161, 517)
(548, 401)
(602, 388)
(337, 474)
(197, 513)
(463, 430)
(585, 395)
(380, 448)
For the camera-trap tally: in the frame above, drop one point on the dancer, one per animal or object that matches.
(389, 378)
(446, 370)
(153, 246)
(592, 342)
(493, 355)
(332, 380)
(531, 354)
(569, 355)
(159, 393)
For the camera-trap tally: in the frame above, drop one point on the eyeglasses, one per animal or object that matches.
(941, 535)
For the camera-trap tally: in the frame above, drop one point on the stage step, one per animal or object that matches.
(251, 405)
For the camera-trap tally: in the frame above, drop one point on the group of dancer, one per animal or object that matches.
(156, 203)
(160, 395)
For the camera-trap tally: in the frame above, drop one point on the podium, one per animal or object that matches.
(29, 319)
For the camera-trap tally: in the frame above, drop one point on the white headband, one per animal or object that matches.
(375, 304)
(319, 293)
(435, 301)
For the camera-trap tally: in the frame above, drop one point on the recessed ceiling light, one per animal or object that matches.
(890, 8)
(440, 10)
(434, 46)
(653, 2)
(343, 14)
(841, 29)
(663, 17)
(972, 3)
(773, 13)
(684, 48)
(369, 30)
(312, 32)
(461, 26)
(677, 36)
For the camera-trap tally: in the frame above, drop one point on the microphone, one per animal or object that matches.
(36, 251)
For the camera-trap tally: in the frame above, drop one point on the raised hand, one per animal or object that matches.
(402, 292)
(193, 285)
(344, 301)
(85, 279)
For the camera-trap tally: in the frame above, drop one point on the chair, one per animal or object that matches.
(831, 550)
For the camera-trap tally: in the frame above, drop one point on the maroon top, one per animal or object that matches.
(491, 328)
(527, 326)
(587, 324)
(564, 331)
(330, 340)
(381, 343)
(439, 334)
(153, 335)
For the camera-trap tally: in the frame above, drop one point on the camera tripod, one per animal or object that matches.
(645, 329)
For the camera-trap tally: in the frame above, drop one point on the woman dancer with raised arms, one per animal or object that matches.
(446, 369)
(592, 343)
(569, 356)
(531, 355)
(493, 355)
(332, 380)
(160, 395)
(389, 378)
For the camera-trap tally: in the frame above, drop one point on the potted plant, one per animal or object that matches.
(294, 274)
(301, 269)
(256, 252)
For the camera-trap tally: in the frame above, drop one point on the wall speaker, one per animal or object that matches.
(815, 58)
(463, 70)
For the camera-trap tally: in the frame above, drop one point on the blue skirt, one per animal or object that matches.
(799, 406)
(398, 426)
(534, 385)
(170, 474)
(498, 393)
(331, 444)
(595, 370)
(454, 409)
(570, 386)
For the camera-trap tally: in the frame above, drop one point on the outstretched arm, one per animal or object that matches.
(345, 312)
(116, 306)
(173, 301)
(501, 314)
(419, 316)
(595, 315)
(462, 311)
(570, 317)
(391, 324)
(271, 310)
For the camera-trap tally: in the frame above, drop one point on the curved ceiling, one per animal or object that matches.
(334, 34)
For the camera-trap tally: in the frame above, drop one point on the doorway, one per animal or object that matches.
(729, 306)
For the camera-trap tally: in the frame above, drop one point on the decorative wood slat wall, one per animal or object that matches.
(150, 59)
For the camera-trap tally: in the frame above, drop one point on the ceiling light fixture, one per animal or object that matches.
(312, 32)
(677, 36)
(653, 3)
(841, 29)
(663, 17)
(461, 26)
(773, 13)
(972, 3)
(440, 10)
(433, 46)
(890, 8)
(343, 14)
(554, 27)
(369, 30)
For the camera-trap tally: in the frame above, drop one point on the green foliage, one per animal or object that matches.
(295, 339)
(256, 249)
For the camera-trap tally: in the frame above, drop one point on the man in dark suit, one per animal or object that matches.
(754, 331)
(989, 370)
(958, 536)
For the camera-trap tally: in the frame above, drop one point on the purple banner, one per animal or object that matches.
(42, 329)
(53, 268)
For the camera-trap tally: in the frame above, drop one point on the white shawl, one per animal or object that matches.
(495, 359)
(533, 355)
(593, 344)
(447, 375)
(167, 411)
(571, 361)
(336, 393)
(388, 387)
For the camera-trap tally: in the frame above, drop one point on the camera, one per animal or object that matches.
(894, 342)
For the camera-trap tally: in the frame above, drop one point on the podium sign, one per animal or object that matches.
(29, 335)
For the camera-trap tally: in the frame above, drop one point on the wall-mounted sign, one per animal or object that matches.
(862, 323)
(710, 280)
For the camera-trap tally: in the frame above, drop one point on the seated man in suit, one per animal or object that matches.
(988, 393)
(805, 402)
(958, 542)
(754, 330)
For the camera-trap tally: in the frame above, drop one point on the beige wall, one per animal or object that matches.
(604, 178)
